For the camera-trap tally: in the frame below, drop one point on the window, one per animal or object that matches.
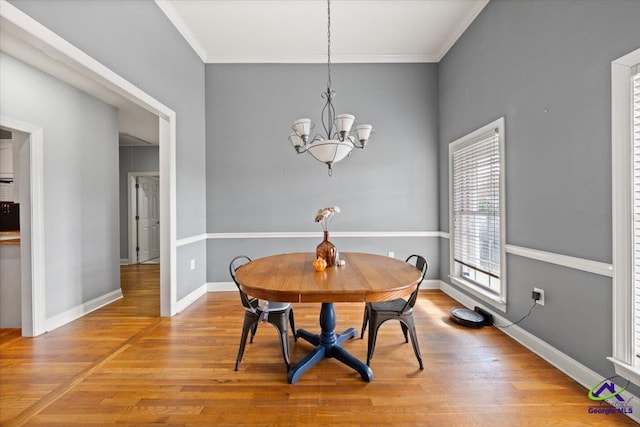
(635, 118)
(476, 167)
(625, 135)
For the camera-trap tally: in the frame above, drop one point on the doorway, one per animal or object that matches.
(13, 147)
(28, 260)
(24, 37)
(144, 218)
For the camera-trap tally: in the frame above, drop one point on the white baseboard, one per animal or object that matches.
(572, 368)
(191, 298)
(124, 261)
(221, 287)
(430, 284)
(63, 318)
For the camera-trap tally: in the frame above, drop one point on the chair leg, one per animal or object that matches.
(373, 334)
(254, 328)
(365, 320)
(279, 320)
(404, 332)
(246, 327)
(293, 325)
(414, 340)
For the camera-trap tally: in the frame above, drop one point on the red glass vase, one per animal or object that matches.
(326, 250)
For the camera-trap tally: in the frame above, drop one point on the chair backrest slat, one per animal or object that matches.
(422, 265)
(234, 265)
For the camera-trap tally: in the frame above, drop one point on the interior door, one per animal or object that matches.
(148, 218)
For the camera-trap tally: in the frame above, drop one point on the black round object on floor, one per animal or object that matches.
(466, 317)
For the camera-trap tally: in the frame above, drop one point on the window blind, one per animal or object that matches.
(635, 89)
(476, 204)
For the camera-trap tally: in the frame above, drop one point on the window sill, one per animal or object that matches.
(480, 293)
(625, 370)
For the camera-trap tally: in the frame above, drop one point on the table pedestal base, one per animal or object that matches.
(328, 344)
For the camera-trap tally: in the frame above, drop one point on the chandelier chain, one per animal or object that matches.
(329, 45)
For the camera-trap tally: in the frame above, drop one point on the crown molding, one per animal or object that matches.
(319, 59)
(182, 28)
(478, 7)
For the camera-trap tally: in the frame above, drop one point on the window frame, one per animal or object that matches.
(498, 300)
(623, 357)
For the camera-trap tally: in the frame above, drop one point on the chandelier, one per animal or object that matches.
(341, 136)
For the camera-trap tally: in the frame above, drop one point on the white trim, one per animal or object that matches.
(221, 287)
(430, 284)
(444, 235)
(182, 28)
(31, 32)
(81, 310)
(314, 234)
(124, 261)
(588, 265)
(256, 58)
(572, 368)
(583, 264)
(168, 217)
(38, 276)
(455, 35)
(625, 370)
(192, 239)
(46, 40)
(459, 143)
(191, 298)
(480, 293)
(34, 311)
(320, 59)
(306, 234)
(622, 196)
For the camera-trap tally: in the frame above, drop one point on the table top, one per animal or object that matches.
(292, 278)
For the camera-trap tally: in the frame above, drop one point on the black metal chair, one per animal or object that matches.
(376, 313)
(255, 310)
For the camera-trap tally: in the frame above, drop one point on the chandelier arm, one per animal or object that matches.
(328, 113)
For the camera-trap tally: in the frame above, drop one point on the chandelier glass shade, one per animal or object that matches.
(341, 136)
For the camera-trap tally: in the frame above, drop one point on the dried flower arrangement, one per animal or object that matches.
(324, 216)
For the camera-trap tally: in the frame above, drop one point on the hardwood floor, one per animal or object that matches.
(123, 364)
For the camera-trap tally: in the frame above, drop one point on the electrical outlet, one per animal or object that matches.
(540, 301)
(193, 264)
(392, 254)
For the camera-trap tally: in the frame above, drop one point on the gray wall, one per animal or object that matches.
(545, 66)
(137, 41)
(133, 159)
(10, 292)
(257, 183)
(80, 182)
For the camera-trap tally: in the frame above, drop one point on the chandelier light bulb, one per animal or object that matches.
(344, 123)
(302, 127)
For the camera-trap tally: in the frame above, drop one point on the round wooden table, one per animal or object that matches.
(364, 278)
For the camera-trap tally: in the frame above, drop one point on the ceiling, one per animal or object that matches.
(279, 31)
(295, 31)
